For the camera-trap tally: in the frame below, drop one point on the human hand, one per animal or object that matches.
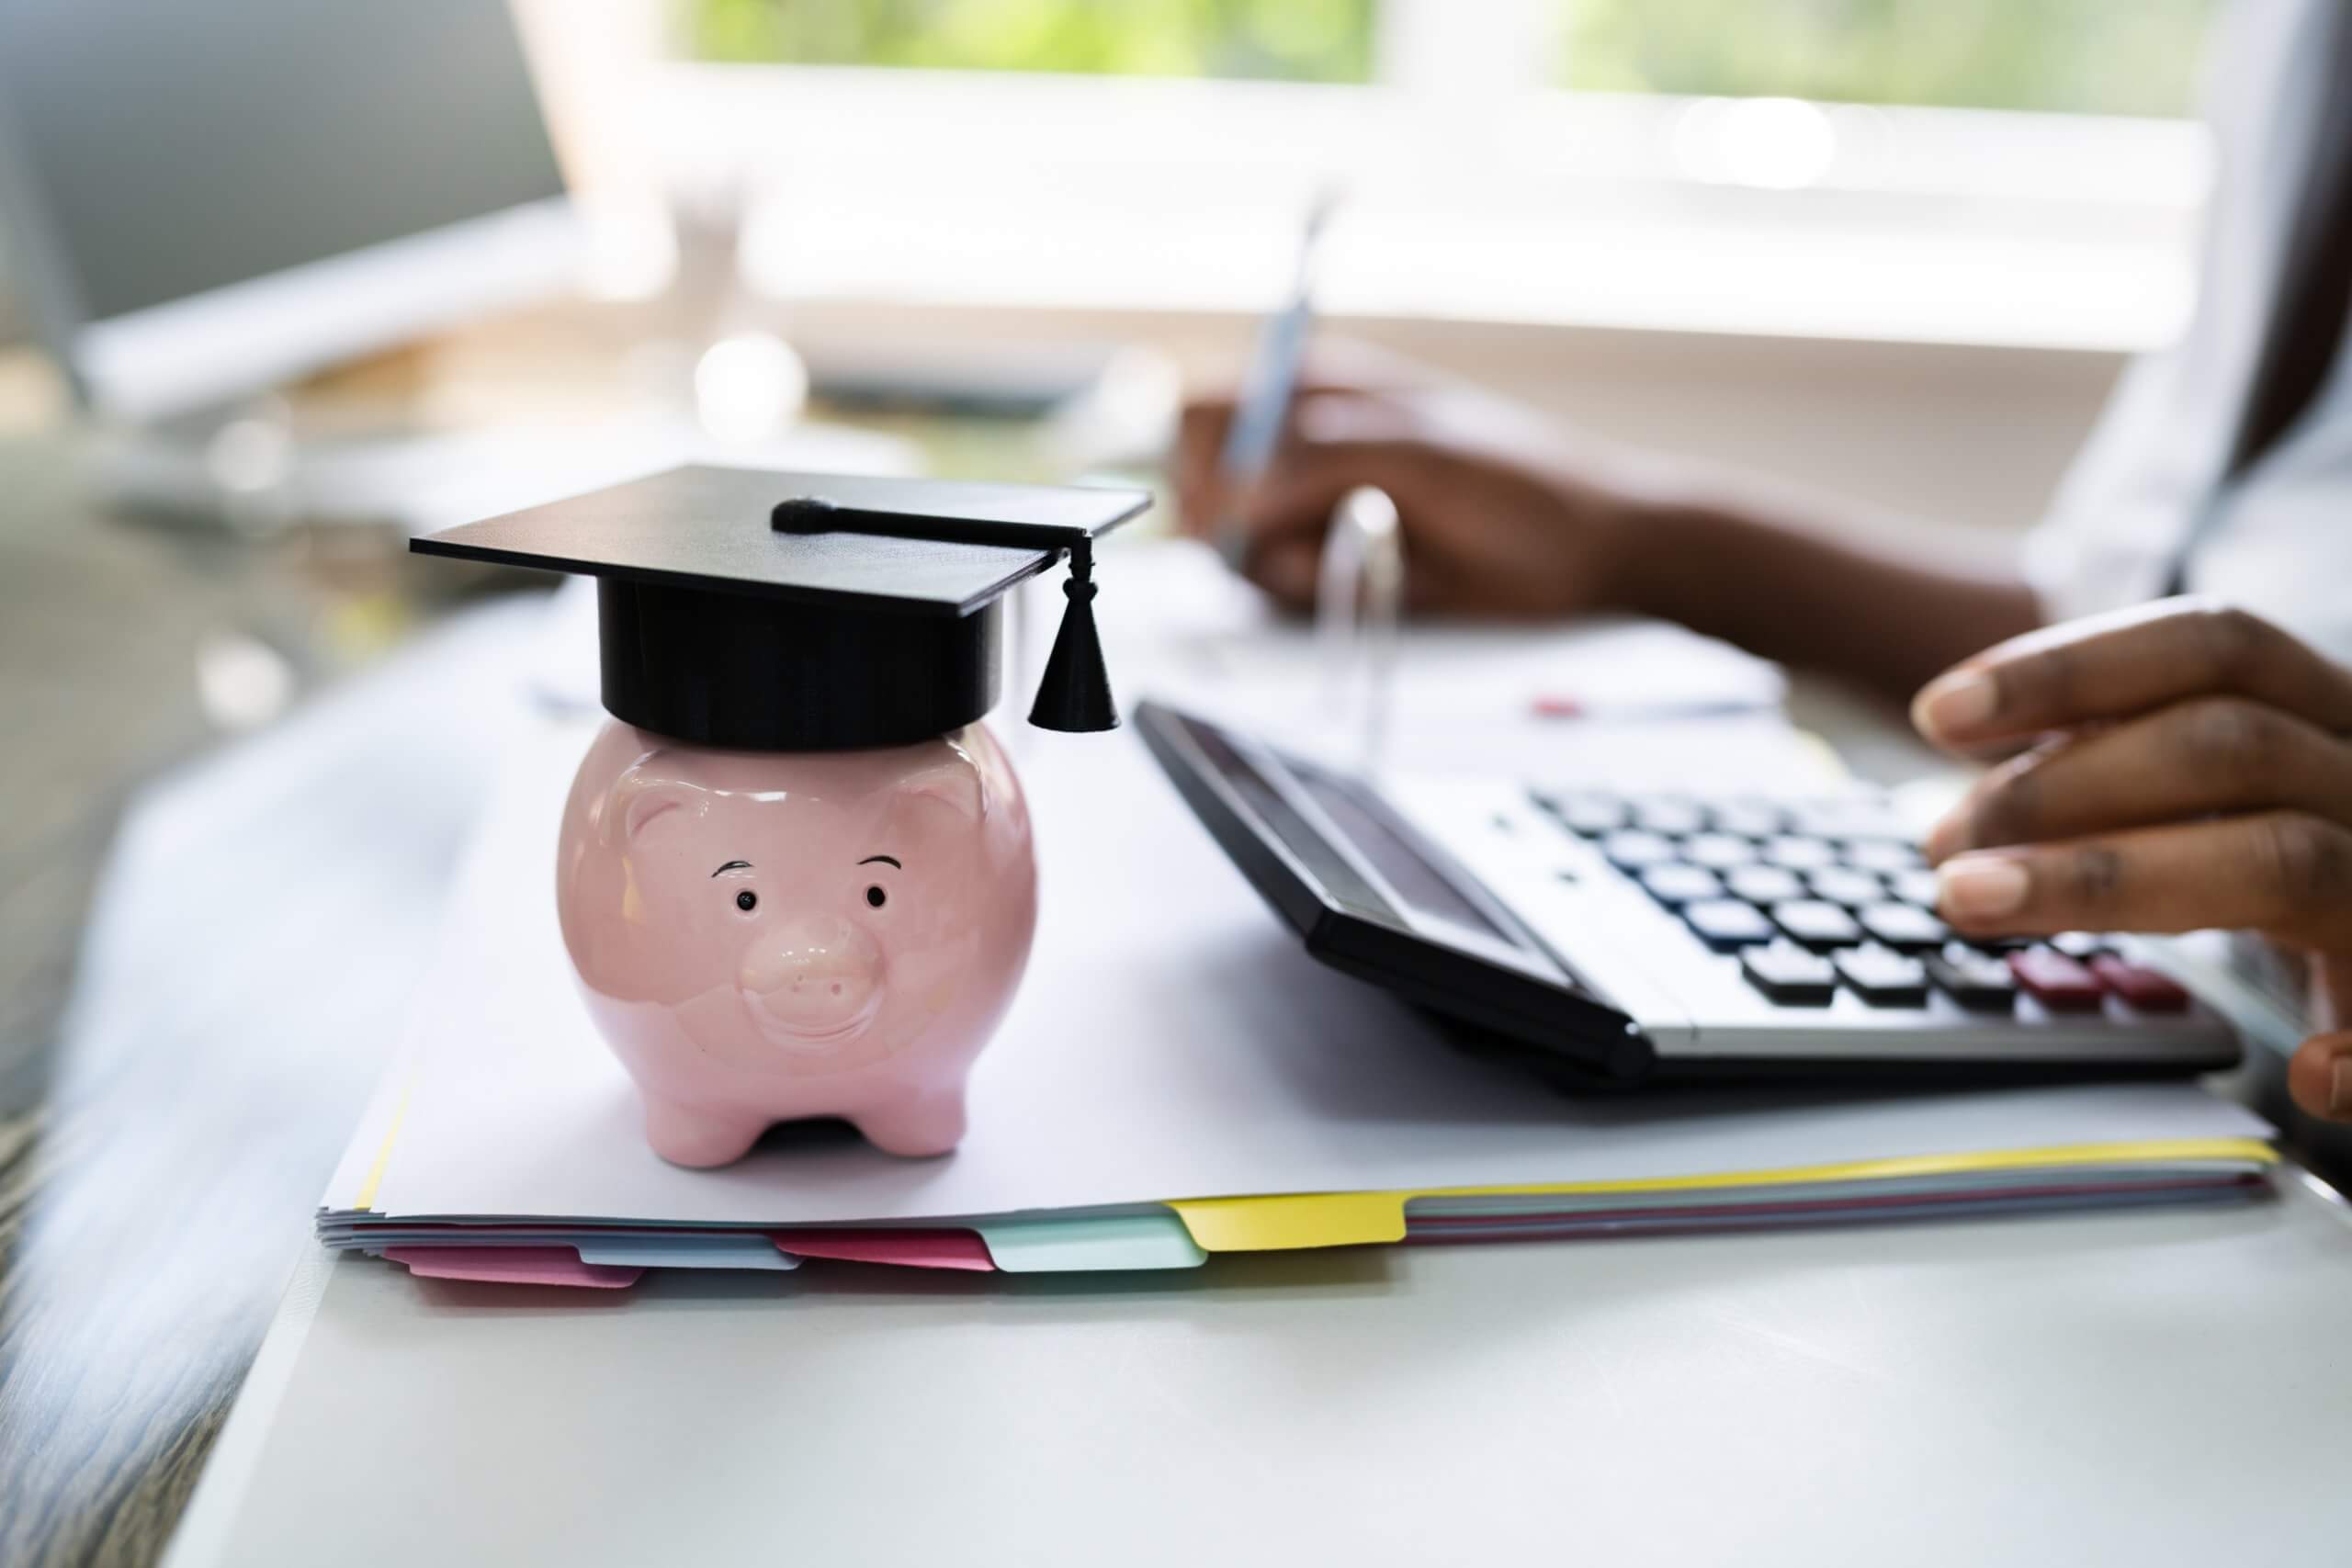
(2177, 766)
(1501, 513)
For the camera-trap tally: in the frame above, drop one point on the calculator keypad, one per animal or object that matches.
(1823, 895)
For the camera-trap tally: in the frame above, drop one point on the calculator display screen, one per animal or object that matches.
(1316, 842)
(1408, 872)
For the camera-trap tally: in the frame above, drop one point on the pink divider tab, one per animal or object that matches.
(513, 1266)
(907, 1249)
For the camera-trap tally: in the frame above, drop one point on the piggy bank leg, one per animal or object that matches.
(685, 1135)
(918, 1125)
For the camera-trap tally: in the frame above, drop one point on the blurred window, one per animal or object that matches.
(2000, 171)
(2122, 57)
(2113, 57)
(1295, 41)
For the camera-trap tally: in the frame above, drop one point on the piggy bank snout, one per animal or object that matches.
(813, 976)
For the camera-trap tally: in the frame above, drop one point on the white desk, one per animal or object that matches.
(2161, 1387)
(2158, 1387)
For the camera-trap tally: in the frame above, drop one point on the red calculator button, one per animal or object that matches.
(2142, 987)
(2054, 980)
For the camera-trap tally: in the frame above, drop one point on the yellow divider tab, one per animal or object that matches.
(2146, 1151)
(375, 1176)
(1298, 1219)
(1354, 1219)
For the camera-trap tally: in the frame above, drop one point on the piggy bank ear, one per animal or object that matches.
(957, 786)
(638, 801)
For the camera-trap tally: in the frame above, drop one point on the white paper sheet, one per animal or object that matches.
(1463, 698)
(1178, 1045)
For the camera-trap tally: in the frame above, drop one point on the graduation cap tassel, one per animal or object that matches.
(1074, 694)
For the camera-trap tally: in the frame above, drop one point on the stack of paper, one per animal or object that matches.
(1177, 1079)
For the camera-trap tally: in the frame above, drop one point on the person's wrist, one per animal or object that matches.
(1644, 547)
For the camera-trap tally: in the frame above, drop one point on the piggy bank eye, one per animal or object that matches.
(877, 897)
(747, 900)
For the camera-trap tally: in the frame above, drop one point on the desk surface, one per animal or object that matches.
(2160, 1387)
(147, 1164)
(153, 1172)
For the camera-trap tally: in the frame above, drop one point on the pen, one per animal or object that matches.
(1257, 426)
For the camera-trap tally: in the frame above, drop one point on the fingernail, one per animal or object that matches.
(1947, 837)
(2339, 1088)
(1953, 702)
(1981, 887)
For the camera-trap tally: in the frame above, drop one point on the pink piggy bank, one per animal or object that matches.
(767, 935)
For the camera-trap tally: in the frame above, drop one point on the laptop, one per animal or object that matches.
(1616, 939)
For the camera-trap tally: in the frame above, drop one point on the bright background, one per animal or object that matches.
(1843, 168)
(1897, 249)
(1894, 248)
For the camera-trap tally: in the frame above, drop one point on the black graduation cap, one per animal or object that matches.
(782, 611)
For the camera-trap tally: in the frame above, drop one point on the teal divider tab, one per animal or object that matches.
(1094, 1243)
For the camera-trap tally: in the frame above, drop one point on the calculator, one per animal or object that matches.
(1615, 939)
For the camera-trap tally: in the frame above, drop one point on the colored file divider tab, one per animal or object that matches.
(624, 1248)
(909, 1248)
(373, 1181)
(512, 1266)
(1090, 1244)
(2139, 1152)
(684, 1251)
(1294, 1220)
(1344, 1219)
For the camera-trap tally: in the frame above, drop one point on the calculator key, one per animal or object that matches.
(2081, 945)
(1670, 815)
(1588, 815)
(1750, 818)
(1787, 973)
(1847, 820)
(1799, 854)
(1975, 980)
(1844, 885)
(1727, 923)
(1632, 850)
(2056, 981)
(1883, 854)
(1674, 885)
(1913, 887)
(1718, 852)
(1903, 925)
(2001, 946)
(1763, 883)
(2141, 987)
(1817, 923)
(1883, 977)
